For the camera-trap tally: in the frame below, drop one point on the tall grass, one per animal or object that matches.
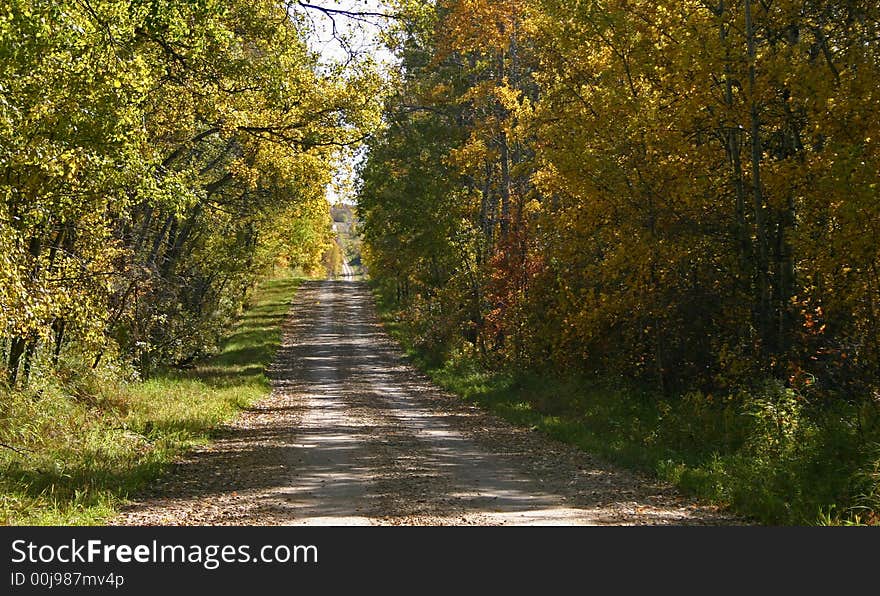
(78, 443)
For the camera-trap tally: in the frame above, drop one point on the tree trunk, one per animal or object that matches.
(58, 327)
(505, 185)
(157, 241)
(15, 352)
(142, 234)
(29, 352)
(35, 248)
(764, 307)
(734, 154)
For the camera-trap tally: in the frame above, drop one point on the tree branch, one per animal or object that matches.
(357, 15)
(19, 450)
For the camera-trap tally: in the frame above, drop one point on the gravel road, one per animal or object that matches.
(353, 435)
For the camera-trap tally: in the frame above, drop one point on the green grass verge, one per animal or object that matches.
(762, 453)
(85, 444)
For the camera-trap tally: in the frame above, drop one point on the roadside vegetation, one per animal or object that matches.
(765, 455)
(77, 444)
(649, 228)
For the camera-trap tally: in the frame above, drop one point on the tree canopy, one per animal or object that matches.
(157, 156)
(684, 192)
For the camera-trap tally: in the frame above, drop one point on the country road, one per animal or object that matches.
(353, 435)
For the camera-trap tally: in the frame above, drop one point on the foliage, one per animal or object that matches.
(682, 194)
(158, 158)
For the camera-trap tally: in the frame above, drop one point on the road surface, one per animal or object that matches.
(353, 435)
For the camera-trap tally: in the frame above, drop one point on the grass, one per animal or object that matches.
(595, 418)
(84, 444)
(816, 467)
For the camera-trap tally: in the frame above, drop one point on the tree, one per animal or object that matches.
(157, 158)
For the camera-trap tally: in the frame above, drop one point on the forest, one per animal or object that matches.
(157, 157)
(646, 227)
(674, 203)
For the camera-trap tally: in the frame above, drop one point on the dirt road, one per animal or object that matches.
(353, 435)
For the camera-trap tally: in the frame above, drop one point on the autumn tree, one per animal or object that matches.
(157, 158)
(658, 190)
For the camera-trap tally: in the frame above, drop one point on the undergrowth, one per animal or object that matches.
(76, 445)
(764, 452)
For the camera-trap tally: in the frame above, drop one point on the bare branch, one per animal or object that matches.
(357, 15)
